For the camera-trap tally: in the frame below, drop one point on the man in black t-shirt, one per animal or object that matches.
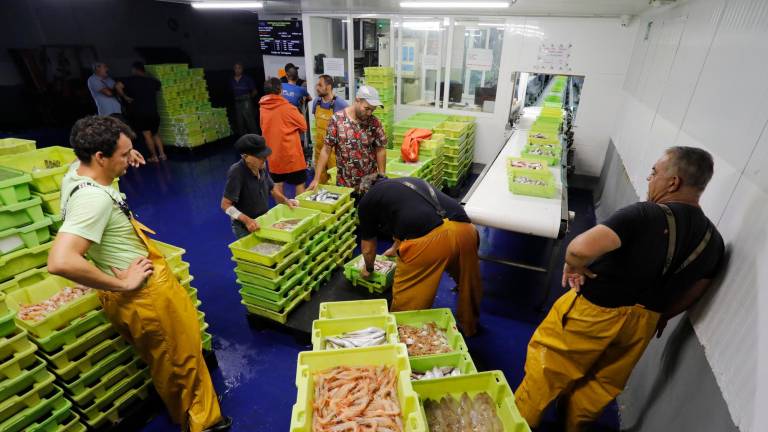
(628, 275)
(432, 234)
(140, 91)
(249, 186)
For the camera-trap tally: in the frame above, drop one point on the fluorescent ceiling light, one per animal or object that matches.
(227, 5)
(453, 5)
(421, 25)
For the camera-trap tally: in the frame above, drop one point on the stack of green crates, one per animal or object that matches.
(29, 399)
(383, 80)
(92, 366)
(458, 151)
(339, 317)
(186, 116)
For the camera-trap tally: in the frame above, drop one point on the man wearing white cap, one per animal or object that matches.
(358, 140)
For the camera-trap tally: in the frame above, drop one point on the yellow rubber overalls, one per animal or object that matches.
(322, 118)
(160, 321)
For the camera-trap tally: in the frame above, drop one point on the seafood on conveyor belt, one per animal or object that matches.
(266, 248)
(539, 135)
(38, 311)
(286, 224)
(526, 164)
(379, 266)
(324, 196)
(360, 398)
(371, 336)
(477, 414)
(425, 340)
(435, 372)
(529, 181)
(539, 151)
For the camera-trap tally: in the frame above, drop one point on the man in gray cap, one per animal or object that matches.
(249, 186)
(358, 140)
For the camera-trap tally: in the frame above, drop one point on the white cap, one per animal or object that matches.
(370, 94)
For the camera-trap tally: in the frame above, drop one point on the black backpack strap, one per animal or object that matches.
(431, 199)
(672, 244)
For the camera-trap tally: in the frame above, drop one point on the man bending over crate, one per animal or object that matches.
(432, 234)
(138, 291)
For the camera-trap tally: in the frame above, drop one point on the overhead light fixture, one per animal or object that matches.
(227, 5)
(453, 5)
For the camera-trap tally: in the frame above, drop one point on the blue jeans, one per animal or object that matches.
(239, 230)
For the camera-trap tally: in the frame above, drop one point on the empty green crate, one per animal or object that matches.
(331, 207)
(181, 271)
(54, 418)
(42, 291)
(7, 323)
(459, 360)
(14, 186)
(20, 353)
(291, 280)
(452, 129)
(33, 408)
(323, 328)
(282, 212)
(30, 375)
(173, 254)
(268, 272)
(73, 351)
(130, 366)
(51, 202)
(23, 279)
(271, 284)
(107, 400)
(25, 237)
(493, 383)
(44, 179)
(12, 146)
(90, 358)
(111, 414)
(241, 249)
(32, 396)
(352, 308)
(290, 291)
(76, 328)
(207, 342)
(316, 242)
(282, 316)
(72, 424)
(83, 381)
(444, 320)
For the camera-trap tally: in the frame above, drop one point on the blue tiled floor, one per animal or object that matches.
(180, 200)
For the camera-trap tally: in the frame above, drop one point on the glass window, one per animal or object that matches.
(420, 57)
(475, 62)
(329, 52)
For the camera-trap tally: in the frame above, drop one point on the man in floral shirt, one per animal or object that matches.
(358, 140)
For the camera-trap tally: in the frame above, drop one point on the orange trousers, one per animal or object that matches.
(584, 353)
(421, 262)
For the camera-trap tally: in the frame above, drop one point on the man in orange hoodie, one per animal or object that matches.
(281, 125)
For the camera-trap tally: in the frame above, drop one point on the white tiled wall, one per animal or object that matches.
(699, 79)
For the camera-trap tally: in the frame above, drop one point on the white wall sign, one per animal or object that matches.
(554, 57)
(431, 62)
(480, 59)
(334, 67)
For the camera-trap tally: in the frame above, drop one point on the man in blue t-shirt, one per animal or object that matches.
(104, 90)
(243, 91)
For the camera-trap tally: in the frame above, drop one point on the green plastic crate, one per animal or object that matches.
(379, 71)
(281, 212)
(72, 352)
(352, 273)
(23, 279)
(111, 414)
(72, 424)
(76, 328)
(269, 272)
(55, 418)
(547, 191)
(455, 130)
(83, 381)
(444, 320)
(241, 249)
(281, 317)
(32, 396)
(44, 180)
(181, 271)
(344, 192)
(23, 355)
(34, 408)
(43, 290)
(90, 358)
(98, 388)
(459, 360)
(207, 342)
(173, 254)
(7, 324)
(30, 375)
(290, 292)
(12, 146)
(291, 280)
(353, 308)
(340, 213)
(311, 362)
(25, 237)
(103, 403)
(323, 328)
(56, 223)
(14, 186)
(492, 382)
(271, 284)
(50, 202)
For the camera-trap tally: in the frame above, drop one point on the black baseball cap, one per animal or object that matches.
(290, 66)
(254, 145)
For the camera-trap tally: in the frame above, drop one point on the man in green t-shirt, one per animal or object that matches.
(137, 289)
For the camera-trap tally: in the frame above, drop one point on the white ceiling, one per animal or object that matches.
(601, 8)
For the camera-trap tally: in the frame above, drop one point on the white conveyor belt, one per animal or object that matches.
(492, 204)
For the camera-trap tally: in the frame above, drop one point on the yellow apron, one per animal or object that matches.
(160, 321)
(322, 118)
(584, 353)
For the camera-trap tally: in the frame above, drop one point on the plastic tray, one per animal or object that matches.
(7, 324)
(98, 388)
(76, 328)
(352, 273)
(9, 146)
(20, 261)
(54, 418)
(43, 290)
(344, 193)
(173, 254)
(547, 191)
(72, 424)
(268, 272)
(107, 364)
(492, 382)
(111, 414)
(14, 186)
(207, 341)
(44, 180)
(261, 282)
(30, 375)
(25, 237)
(33, 408)
(291, 292)
(353, 308)
(459, 360)
(73, 352)
(51, 202)
(281, 317)
(107, 400)
(452, 129)
(311, 362)
(241, 249)
(22, 354)
(32, 396)
(442, 317)
(323, 328)
(181, 271)
(291, 281)
(88, 359)
(281, 212)
(379, 71)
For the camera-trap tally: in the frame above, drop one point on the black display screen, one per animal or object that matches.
(284, 38)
